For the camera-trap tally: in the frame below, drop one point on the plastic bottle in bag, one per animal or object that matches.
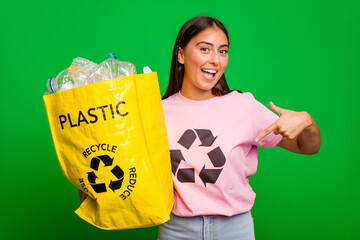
(81, 70)
(117, 68)
(80, 62)
(62, 82)
(48, 85)
(84, 72)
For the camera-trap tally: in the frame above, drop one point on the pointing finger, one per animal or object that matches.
(264, 133)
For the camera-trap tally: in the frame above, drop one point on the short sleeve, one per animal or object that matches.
(261, 118)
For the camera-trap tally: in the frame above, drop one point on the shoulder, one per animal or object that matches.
(237, 96)
(169, 99)
(170, 102)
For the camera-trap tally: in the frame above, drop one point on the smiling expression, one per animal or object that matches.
(205, 58)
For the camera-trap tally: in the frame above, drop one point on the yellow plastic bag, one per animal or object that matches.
(110, 140)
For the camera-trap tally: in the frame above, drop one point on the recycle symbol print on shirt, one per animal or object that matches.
(117, 172)
(215, 155)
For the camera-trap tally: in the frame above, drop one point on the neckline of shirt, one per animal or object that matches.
(181, 98)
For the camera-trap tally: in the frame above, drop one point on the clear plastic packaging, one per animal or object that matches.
(82, 72)
(62, 82)
(146, 70)
(117, 68)
(79, 62)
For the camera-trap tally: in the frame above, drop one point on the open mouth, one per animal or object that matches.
(209, 74)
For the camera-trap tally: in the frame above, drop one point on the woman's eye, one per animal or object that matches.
(223, 51)
(204, 49)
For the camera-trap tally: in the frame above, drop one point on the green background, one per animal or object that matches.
(303, 55)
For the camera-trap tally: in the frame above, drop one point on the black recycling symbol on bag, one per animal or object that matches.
(216, 156)
(116, 171)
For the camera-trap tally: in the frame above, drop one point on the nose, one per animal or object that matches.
(214, 58)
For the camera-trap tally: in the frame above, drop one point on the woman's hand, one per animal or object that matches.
(300, 132)
(82, 196)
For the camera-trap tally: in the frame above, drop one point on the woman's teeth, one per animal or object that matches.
(208, 73)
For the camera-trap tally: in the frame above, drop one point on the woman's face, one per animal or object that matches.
(205, 58)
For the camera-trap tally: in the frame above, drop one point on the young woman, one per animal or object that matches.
(213, 138)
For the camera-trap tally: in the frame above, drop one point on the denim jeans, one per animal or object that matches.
(237, 227)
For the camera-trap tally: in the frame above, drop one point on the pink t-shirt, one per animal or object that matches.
(213, 151)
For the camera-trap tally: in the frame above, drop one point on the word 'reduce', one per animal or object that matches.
(91, 116)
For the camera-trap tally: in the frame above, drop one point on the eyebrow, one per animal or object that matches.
(202, 42)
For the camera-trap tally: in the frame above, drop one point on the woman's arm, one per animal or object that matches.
(307, 142)
(300, 132)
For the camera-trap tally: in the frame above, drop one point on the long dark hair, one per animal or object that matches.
(189, 30)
